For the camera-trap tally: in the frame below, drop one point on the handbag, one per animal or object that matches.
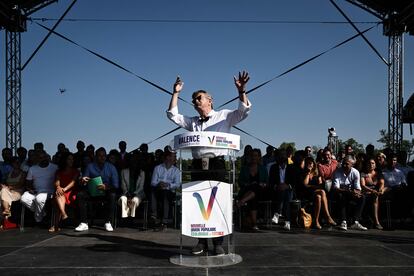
(305, 219)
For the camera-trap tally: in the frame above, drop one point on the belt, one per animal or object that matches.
(212, 158)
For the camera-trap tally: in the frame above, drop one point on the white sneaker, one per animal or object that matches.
(275, 218)
(108, 227)
(287, 225)
(82, 227)
(358, 226)
(343, 225)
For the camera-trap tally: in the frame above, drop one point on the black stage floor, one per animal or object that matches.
(128, 251)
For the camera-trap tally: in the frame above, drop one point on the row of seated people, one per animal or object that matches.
(323, 182)
(68, 185)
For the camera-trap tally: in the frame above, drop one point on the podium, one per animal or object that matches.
(207, 204)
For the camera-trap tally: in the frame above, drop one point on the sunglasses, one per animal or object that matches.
(198, 98)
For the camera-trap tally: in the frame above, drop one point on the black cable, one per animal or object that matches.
(110, 61)
(299, 65)
(199, 21)
(245, 132)
(47, 36)
(358, 31)
(171, 131)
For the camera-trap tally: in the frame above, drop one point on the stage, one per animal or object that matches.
(128, 251)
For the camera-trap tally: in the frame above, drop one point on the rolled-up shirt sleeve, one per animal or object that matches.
(357, 180)
(240, 113)
(179, 119)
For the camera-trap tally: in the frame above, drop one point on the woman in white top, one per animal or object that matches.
(13, 188)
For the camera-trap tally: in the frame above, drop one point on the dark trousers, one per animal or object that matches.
(347, 201)
(401, 200)
(282, 205)
(216, 171)
(164, 199)
(85, 203)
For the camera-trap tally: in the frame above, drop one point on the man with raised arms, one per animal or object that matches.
(210, 120)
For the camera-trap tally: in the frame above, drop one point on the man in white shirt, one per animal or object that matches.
(210, 120)
(166, 178)
(40, 182)
(347, 188)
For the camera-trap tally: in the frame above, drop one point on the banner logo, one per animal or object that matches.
(204, 212)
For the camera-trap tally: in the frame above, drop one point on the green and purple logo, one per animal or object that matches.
(204, 212)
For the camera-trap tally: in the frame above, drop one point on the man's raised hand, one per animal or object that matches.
(241, 81)
(178, 85)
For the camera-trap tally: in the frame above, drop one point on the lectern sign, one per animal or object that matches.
(207, 139)
(206, 209)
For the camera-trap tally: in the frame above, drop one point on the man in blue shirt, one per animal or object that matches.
(166, 178)
(110, 185)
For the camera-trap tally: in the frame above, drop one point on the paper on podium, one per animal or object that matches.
(93, 186)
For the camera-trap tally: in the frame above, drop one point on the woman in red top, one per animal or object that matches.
(65, 183)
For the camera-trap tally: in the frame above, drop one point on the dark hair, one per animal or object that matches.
(63, 160)
(5, 149)
(100, 149)
(325, 150)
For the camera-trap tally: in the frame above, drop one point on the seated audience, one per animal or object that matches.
(110, 184)
(166, 178)
(396, 188)
(269, 156)
(13, 188)
(79, 155)
(281, 179)
(40, 179)
(372, 183)
(327, 168)
(347, 189)
(253, 186)
(381, 161)
(313, 189)
(67, 177)
(132, 186)
(5, 166)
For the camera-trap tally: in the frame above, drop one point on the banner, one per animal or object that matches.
(209, 139)
(207, 209)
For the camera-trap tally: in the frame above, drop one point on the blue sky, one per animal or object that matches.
(346, 88)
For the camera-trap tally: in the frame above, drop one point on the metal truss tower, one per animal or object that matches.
(395, 89)
(13, 17)
(397, 18)
(13, 90)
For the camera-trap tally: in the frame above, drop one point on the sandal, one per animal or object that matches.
(332, 223)
(379, 226)
(54, 229)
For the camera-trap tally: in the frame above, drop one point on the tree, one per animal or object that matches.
(357, 147)
(406, 145)
(285, 145)
(385, 138)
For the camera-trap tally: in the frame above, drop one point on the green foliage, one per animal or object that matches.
(357, 147)
(385, 139)
(285, 145)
